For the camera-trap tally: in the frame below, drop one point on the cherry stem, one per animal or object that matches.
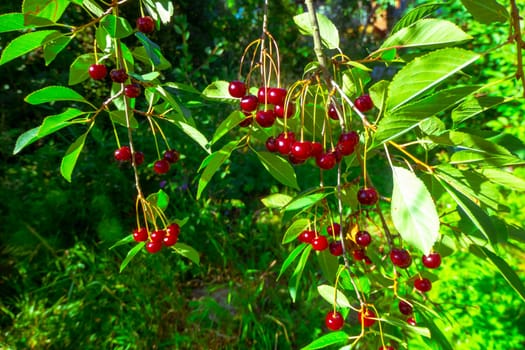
(519, 42)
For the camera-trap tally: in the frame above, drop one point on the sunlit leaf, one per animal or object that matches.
(331, 295)
(52, 94)
(116, 27)
(50, 9)
(187, 252)
(227, 124)
(294, 230)
(295, 279)
(70, 159)
(414, 15)
(328, 31)
(26, 43)
(291, 258)
(279, 168)
(218, 90)
(212, 163)
(276, 200)
(473, 106)
(131, 254)
(328, 339)
(486, 11)
(53, 47)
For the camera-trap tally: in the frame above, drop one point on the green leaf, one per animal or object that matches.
(435, 332)
(116, 27)
(49, 9)
(291, 258)
(425, 73)
(52, 94)
(330, 294)
(415, 15)
(131, 255)
(159, 200)
(328, 339)
(305, 201)
(160, 9)
(378, 93)
(194, 134)
(486, 11)
(187, 252)
(152, 49)
(50, 125)
(400, 324)
(119, 117)
(53, 47)
(354, 81)
(279, 168)
(212, 163)
(504, 178)
(93, 7)
(218, 90)
(295, 279)
(506, 271)
(329, 264)
(294, 230)
(427, 33)
(411, 115)
(26, 43)
(78, 70)
(227, 124)
(473, 106)
(276, 200)
(413, 211)
(70, 158)
(15, 21)
(328, 31)
(126, 240)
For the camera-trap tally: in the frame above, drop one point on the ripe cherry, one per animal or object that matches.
(332, 112)
(317, 149)
(139, 158)
(359, 254)
(334, 229)
(247, 121)
(237, 89)
(386, 347)
(170, 240)
(307, 236)
(294, 160)
(123, 154)
(405, 308)
(320, 243)
(351, 137)
(132, 90)
(262, 95)
(280, 110)
(97, 71)
(173, 229)
(171, 156)
(118, 75)
(285, 141)
(140, 235)
(145, 24)
(367, 318)
(334, 320)
(400, 257)
(364, 103)
(161, 166)
(301, 149)
(153, 247)
(276, 96)
(157, 235)
(432, 260)
(326, 161)
(363, 238)
(422, 284)
(336, 248)
(411, 321)
(271, 144)
(367, 196)
(249, 103)
(265, 118)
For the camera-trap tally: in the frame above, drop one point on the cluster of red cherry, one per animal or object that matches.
(157, 238)
(161, 166)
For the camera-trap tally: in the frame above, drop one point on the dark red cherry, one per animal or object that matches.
(432, 260)
(367, 318)
(285, 141)
(333, 229)
(317, 149)
(336, 248)
(153, 247)
(271, 144)
(145, 24)
(265, 118)
(422, 284)
(140, 235)
(320, 243)
(400, 257)
(157, 235)
(97, 71)
(359, 254)
(173, 229)
(364, 103)
(301, 149)
(262, 95)
(249, 103)
(363, 238)
(326, 160)
(332, 112)
(132, 90)
(123, 154)
(118, 75)
(405, 308)
(161, 166)
(280, 110)
(367, 196)
(334, 320)
(276, 96)
(237, 89)
(139, 158)
(307, 236)
(172, 156)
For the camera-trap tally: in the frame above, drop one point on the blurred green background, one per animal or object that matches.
(60, 287)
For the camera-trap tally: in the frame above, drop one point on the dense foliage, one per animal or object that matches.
(416, 115)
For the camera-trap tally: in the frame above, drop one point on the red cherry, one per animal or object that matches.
(422, 284)
(161, 166)
(173, 229)
(153, 247)
(157, 236)
(320, 243)
(294, 160)
(262, 95)
(367, 260)
(97, 71)
(276, 96)
(364, 103)
(400, 257)
(132, 90)
(123, 154)
(363, 238)
(336, 248)
(307, 236)
(405, 308)
(265, 118)
(280, 110)
(432, 260)
(171, 156)
(367, 318)
(118, 75)
(411, 321)
(140, 235)
(247, 121)
(326, 160)
(249, 103)
(317, 149)
(334, 320)
(301, 149)
(284, 142)
(170, 240)
(332, 112)
(351, 136)
(145, 24)
(359, 254)
(271, 144)
(237, 89)
(334, 229)
(139, 158)
(367, 196)
(387, 348)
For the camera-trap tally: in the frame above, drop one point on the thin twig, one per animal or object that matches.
(515, 18)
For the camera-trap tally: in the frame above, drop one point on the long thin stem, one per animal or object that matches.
(520, 45)
(316, 34)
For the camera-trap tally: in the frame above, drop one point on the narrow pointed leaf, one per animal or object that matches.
(295, 279)
(291, 258)
(294, 230)
(52, 94)
(26, 43)
(276, 200)
(473, 106)
(328, 31)
(51, 9)
(70, 159)
(328, 339)
(304, 202)
(212, 163)
(227, 124)
(131, 254)
(425, 73)
(330, 294)
(413, 211)
(414, 15)
(187, 252)
(486, 11)
(279, 168)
